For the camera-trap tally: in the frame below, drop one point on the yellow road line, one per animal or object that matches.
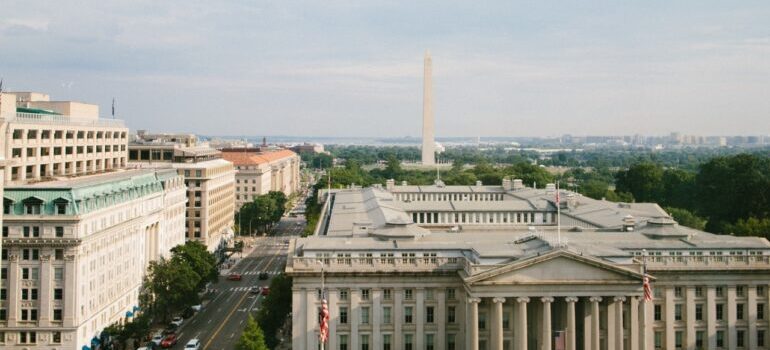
(230, 314)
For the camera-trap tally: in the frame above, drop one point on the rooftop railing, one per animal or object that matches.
(375, 264)
(64, 119)
(708, 262)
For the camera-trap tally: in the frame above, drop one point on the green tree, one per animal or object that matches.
(275, 309)
(678, 188)
(252, 337)
(686, 218)
(393, 168)
(280, 200)
(750, 227)
(643, 180)
(195, 255)
(173, 286)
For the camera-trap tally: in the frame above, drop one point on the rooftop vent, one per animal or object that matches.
(518, 184)
(478, 183)
(507, 186)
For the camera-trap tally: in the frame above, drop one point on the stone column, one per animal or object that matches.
(587, 329)
(545, 337)
(711, 317)
(419, 319)
(298, 324)
(668, 316)
(354, 316)
(689, 317)
(312, 318)
(334, 312)
(45, 298)
(633, 323)
(732, 333)
(440, 320)
(571, 344)
(474, 323)
(618, 307)
(521, 322)
(70, 291)
(497, 324)
(595, 340)
(751, 294)
(398, 316)
(14, 297)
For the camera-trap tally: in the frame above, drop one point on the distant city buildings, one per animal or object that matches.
(209, 179)
(78, 228)
(259, 172)
(308, 148)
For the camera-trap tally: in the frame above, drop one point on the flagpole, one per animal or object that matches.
(323, 298)
(558, 214)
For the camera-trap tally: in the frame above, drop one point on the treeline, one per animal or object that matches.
(727, 194)
(263, 332)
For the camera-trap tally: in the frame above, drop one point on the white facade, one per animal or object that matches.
(258, 173)
(394, 284)
(428, 139)
(76, 252)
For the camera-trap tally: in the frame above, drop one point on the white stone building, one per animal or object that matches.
(496, 282)
(259, 172)
(75, 252)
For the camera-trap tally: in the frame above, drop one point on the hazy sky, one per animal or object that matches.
(354, 68)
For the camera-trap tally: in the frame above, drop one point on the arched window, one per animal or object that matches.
(33, 206)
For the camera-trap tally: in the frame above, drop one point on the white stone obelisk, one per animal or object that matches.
(428, 142)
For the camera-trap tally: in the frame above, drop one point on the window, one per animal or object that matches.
(699, 292)
(3, 294)
(386, 318)
(678, 339)
(386, 294)
(343, 315)
(760, 338)
(56, 337)
(407, 314)
(739, 311)
(658, 312)
(364, 294)
(699, 339)
(429, 314)
(386, 339)
(450, 294)
(677, 292)
(58, 294)
(720, 312)
(429, 342)
(760, 291)
(678, 312)
(720, 292)
(29, 314)
(364, 342)
(658, 340)
(699, 312)
(740, 291)
(760, 311)
(343, 342)
(5, 231)
(343, 294)
(720, 339)
(58, 273)
(482, 320)
(450, 342)
(408, 342)
(57, 315)
(58, 254)
(739, 338)
(364, 315)
(59, 231)
(408, 294)
(3, 315)
(27, 337)
(450, 314)
(506, 320)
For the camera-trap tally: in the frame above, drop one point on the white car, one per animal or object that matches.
(157, 338)
(196, 308)
(177, 321)
(193, 344)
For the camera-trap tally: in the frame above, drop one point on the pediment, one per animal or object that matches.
(557, 267)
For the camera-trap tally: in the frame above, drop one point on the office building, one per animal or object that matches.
(488, 267)
(259, 172)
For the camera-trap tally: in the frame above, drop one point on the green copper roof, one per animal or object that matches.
(85, 194)
(35, 111)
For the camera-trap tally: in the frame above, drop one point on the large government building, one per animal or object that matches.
(79, 230)
(487, 267)
(259, 172)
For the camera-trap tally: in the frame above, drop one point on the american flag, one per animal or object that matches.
(324, 322)
(647, 288)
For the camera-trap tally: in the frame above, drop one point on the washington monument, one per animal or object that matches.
(428, 142)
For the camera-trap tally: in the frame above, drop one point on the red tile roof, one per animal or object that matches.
(256, 158)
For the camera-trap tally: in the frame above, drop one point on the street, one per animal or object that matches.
(220, 323)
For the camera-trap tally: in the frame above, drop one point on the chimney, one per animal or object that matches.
(629, 222)
(390, 184)
(518, 184)
(550, 188)
(507, 184)
(478, 183)
(404, 183)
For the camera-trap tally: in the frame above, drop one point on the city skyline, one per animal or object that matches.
(501, 70)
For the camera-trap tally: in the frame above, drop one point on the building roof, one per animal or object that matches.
(256, 158)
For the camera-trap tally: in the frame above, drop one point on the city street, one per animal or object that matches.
(219, 324)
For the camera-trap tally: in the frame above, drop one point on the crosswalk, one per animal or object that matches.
(254, 273)
(240, 289)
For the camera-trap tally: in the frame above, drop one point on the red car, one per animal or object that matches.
(265, 290)
(234, 277)
(169, 341)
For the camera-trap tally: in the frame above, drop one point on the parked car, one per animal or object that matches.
(255, 290)
(263, 275)
(169, 341)
(265, 290)
(193, 344)
(156, 338)
(177, 321)
(234, 277)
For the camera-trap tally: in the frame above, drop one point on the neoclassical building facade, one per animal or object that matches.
(493, 282)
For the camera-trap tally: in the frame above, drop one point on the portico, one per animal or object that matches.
(559, 300)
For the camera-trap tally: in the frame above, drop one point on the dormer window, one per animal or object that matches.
(60, 206)
(33, 206)
(7, 206)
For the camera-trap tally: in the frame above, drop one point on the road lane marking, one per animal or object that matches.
(230, 314)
